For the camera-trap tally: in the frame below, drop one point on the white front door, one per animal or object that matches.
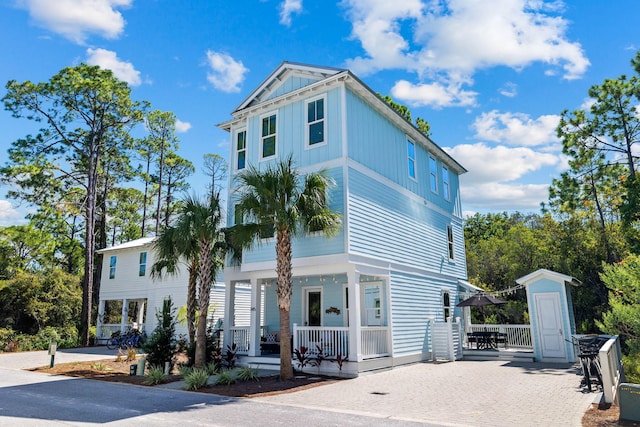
(550, 330)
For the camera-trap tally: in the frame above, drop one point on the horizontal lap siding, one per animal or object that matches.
(387, 225)
(414, 299)
(314, 245)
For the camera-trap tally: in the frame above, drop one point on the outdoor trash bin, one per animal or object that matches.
(629, 401)
(133, 368)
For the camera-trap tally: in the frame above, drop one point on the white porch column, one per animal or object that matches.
(229, 314)
(254, 321)
(125, 316)
(100, 319)
(140, 320)
(355, 322)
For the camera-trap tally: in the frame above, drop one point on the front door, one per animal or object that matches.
(313, 306)
(550, 328)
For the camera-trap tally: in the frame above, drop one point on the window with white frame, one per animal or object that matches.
(433, 173)
(112, 267)
(450, 242)
(411, 159)
(268, 136)
(446, 304)
(241, 149)
(445, 183)
(142, 270)
(315, 121)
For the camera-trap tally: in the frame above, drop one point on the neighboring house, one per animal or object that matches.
(398, 264)
(130, 298)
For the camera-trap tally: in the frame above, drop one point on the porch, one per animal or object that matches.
(119, 316)
(514, 343)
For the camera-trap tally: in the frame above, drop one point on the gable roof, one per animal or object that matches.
(259, 100)
(128, 245)
(544, 273)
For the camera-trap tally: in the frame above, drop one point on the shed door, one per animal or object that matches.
(550, 328)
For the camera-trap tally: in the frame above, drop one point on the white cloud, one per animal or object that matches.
(288, 8)
(447, 41)
(509, 90)
(108, 60)
(8, 214)
(76, 19)
(491, 182)
(516, 129)
(182, 127)
(226, 73)
(435, 95)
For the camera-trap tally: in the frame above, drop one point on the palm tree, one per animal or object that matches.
(198, 238)
(279, 200)
(172, 247)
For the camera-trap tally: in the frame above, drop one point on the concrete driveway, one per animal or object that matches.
(459, 393)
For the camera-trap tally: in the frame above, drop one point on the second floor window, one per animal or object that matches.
(241, 149)
(450, 248)
(411, 159)
(269, 136)
(143, 264)
(433, 174)
(445, 183)
(315, 121)
(112, 267)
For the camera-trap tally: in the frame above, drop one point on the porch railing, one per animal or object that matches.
(240, 336)
(109, 328)
(332, 340)
(518, 336)
(375, 341)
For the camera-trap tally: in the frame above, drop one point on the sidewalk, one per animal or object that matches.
(36, 359)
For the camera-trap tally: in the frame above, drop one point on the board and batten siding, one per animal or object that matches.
(291, 128)
(415, 299)
(376, 143)
(313, 245)
(292, 83)
(387, 225)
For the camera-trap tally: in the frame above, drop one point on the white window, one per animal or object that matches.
(241, 149)
(112, 267)
(445, 183)
(433, 173)
(450, 242)
(143, 264)
(268, 146)
(315, 122)
(411, 159)
(446, 304)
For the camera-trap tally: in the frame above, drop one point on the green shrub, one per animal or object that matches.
(632, 368)
(162, 345)
(212, 352)
(226, 378)
(185, 370)
(247, 373)
(196, 379)
(155, 375)
(212, 368)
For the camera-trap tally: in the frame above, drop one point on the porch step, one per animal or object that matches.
(509, 355)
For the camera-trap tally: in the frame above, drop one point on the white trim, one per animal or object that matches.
(345, 303)
(261, 138)
(412, 159)
(145, 241)
(305, 304)
(446, 184)
(307, 125)
(531, 277)
(433, 174)
(451, 244)
(444, 307)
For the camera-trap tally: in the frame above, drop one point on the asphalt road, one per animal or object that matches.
(34, 399)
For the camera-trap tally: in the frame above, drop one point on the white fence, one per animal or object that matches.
(446, 341)
(331, 340)
(518, 336)
(610, 357)
(375, 341)
(107, 329)
(240, 336)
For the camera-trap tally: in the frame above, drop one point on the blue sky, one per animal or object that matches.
(491, 77)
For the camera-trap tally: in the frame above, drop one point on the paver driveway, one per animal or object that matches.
(458, 393)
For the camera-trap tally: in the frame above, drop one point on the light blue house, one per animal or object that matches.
(398, 264)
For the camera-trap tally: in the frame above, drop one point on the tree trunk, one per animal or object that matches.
(191, 300)
(283, 270)
(204, 290)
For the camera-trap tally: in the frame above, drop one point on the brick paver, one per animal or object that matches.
(465, 393)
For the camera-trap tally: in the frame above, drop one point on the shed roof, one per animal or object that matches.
(531, 277)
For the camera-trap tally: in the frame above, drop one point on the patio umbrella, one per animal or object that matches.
(480, 299)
